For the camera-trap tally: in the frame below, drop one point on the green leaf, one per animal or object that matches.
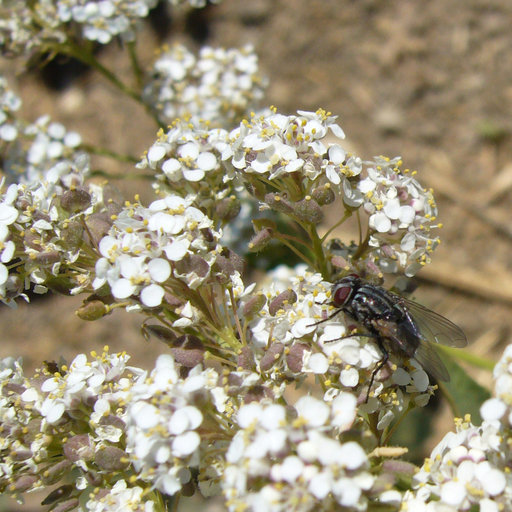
(463, 393)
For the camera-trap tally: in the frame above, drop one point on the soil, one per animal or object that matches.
(430, 81)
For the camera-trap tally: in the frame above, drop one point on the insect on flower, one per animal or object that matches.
(398, 325)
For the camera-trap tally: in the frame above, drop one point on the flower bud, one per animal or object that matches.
(24, 483)
(324, 195)
(227, 209)
(47, 257)
(72, 234)
(278, 203)
(261, 239)
(54, 473)
(110, 458)
(246, 359)
(295, 355)
(254, 304)
(66, 506)
(188, 351)
(308, 210)
(79, 447)
(99, 225)
(284, 298)
(192, 263)
(92, 310)
(272, 354)
(75, 200)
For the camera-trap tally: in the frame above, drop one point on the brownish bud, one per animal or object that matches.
(278, 203)
(272, 354)
(111, 458)
(254, 304)
(188, 350)
(55, 472)
(227, 209)
(246, 359)
(324, 195)
(66, 506)
(257, 393)
(308, 210)
(284, 298)
(25, 482)
(192, 263)
(92, 310)
(47, 257)
(295, 355)
(261, 239)
(99, 225)
(79, 447)
(72, 234)
(75, 200)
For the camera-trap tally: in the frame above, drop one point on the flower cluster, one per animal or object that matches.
(164, 418)
(82, 405)
(471, 467)
(287, 341)
(294, 459)
(143, 243)
(219, 86)
(9, 105)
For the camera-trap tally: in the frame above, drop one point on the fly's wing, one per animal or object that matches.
(433, 327)
(429, 359)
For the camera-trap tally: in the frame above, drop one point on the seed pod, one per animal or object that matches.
(295, 356)
(92, 310)
(79, 447)
(188, 350)
(324, 195)
(227, 209)
(308, 210)
(75, 200)
(261, 239)
(284, 298)
(246, 359)
(254, 304)
(279, 203)
(99, 225)
(272, 354)
(111, 458)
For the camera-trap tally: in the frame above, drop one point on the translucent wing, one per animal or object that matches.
(433, 327)
(427, 356)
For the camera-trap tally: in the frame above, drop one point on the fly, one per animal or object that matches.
(398, 324)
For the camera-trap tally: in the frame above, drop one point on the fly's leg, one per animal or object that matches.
(378, 367)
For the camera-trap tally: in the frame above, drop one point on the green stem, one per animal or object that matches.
(348, 213)
(137, 70)
(319, 255)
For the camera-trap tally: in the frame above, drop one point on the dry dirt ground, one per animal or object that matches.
(430, 81)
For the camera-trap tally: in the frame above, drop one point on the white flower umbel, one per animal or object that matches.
(165, 414)
(219, 86)
(281, 460)
(120, 497)
(146, 245)
(66, 418)
(291, 336)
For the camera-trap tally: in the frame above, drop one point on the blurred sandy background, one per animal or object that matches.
(430, 81)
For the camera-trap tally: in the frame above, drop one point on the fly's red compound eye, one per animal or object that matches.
(341, 294)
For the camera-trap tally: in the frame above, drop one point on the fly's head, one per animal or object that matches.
(343, 290)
